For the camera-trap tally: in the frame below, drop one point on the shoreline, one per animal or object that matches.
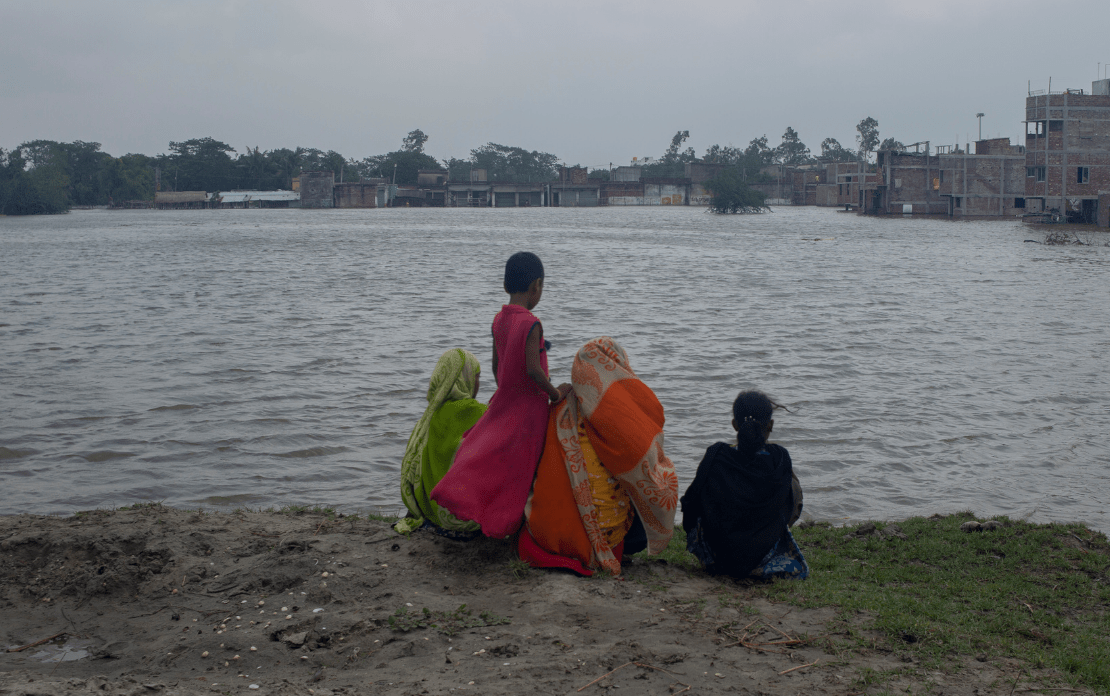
(153, 599)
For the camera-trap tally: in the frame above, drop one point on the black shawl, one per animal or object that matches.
(743, 502)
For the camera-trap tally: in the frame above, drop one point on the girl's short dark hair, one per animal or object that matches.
(521, 269)
(752, 410)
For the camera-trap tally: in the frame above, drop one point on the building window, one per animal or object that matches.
(959, 202)
(1035, 171)
(1055, 126)
(1019, 202)
(1083, 175)
(936, 183)
(1034, 129)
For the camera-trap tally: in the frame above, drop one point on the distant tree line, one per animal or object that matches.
(44, 176)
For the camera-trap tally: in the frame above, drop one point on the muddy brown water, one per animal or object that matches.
(271, 357)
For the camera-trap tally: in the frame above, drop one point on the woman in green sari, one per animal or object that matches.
(452, 410)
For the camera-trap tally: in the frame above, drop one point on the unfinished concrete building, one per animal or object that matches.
(989, 183)
(1067, 154)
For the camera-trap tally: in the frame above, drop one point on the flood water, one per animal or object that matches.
(270, 357)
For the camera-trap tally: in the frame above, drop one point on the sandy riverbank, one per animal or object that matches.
(157, 600)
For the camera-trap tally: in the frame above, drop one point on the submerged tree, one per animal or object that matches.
(730, 194)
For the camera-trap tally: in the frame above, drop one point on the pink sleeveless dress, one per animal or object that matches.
(493, 469)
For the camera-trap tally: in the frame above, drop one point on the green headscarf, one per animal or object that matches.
(451, 411)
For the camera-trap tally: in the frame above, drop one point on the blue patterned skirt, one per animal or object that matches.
(784, 560)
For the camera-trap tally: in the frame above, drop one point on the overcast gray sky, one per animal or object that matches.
(592, 82)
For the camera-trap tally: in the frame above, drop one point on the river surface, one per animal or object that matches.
(271, 357)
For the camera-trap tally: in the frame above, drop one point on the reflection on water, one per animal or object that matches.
(277, 357)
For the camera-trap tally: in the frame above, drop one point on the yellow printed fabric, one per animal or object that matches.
(611, 502)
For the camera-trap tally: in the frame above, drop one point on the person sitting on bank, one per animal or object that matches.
(452, 410)
(604, 488)
(738, 511)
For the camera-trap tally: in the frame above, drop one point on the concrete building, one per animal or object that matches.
(431, 177)
(317, 189)
(625, 174)
(360, 194)
(839, 186)
(475, 194)
(1067, 153)
(989, 183)
(698, 173)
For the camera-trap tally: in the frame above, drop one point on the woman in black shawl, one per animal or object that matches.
(738, 511)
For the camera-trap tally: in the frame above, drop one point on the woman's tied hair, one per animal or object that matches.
(752, 411)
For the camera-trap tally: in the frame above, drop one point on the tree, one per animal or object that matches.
(832, 151)
(129, 178)
(599, 174)
(671, 155)
(673, 163)
(406, 163)
(201, 164)
(892, 144)
(504, 163)
(759, 151)
(792, 150)
(730, 193)
(33, 180)
(867, 137)
(414, 141)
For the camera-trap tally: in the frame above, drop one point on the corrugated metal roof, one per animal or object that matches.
(245, 196)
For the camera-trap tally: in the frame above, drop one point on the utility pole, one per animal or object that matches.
(980, 117)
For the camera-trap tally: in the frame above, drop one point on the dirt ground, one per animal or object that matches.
(162, 601)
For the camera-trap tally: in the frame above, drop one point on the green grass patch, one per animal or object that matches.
(1036, 592)
(1039, 593)
(675, 554)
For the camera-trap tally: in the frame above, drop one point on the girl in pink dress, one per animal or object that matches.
(496, 462)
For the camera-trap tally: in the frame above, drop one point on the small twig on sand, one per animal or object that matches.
(658, 669)
(1018, 678)
(688, 687)
(318, 529)
(605, 675)
(37, 642)
(788, 671)
(779, 630)
(1055, 688)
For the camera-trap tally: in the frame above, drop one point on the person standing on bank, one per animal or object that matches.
(493, 469)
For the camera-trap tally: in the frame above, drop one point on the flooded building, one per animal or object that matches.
(1067, 154)
(952, 182)
(370, 193)
(255, 199)
(168, 200)
(698, 173)
(574, 189)
(317, 189)
(840, 185)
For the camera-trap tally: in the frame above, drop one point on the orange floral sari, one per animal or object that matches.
(624, 423)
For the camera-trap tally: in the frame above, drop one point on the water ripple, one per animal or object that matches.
(276, 357)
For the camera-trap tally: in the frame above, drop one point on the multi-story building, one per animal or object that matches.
(1067, 154)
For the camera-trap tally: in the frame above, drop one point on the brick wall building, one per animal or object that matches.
(1067, 152)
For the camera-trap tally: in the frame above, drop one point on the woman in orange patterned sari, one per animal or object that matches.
(603, 470)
